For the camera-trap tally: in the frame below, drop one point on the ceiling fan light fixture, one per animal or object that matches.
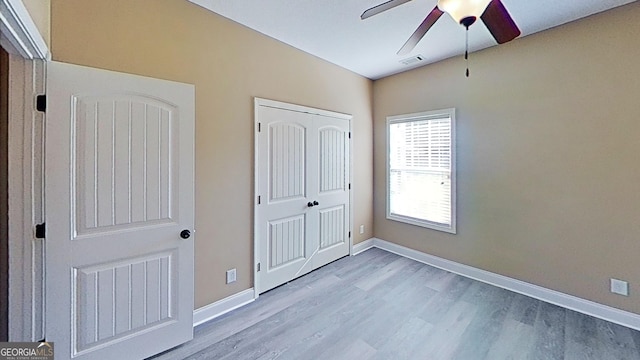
(464, 12)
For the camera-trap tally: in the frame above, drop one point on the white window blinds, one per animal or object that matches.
(421, 180)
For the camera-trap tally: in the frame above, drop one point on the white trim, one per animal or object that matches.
(300, 108)
(26, 254)
(19, 311)
(571, 302)
(20, 37)
(19, 33)
(256, 192)
(221, 307)
(362, 246)
(425, 115)
(352, 232)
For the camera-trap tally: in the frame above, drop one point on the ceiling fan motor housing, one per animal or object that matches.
(468, 21)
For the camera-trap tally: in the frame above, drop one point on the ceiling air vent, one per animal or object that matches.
(412, 60)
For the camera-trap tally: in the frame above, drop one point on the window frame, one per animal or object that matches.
(420, 116)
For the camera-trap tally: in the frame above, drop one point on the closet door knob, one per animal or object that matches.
(185, 234)
(316, 203)
(310, 204)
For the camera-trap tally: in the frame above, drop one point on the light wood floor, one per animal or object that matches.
(378, 305)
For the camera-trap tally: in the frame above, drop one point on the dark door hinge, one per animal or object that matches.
(259, 127)
(258, 199)
(349, 134)
(41, 103)
(258, 266)
(41, 231)
(349, 186)
(349, 233)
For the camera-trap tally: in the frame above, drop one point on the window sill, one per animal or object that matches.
(423, 223)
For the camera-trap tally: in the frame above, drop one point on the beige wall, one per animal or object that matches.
(548, 143)
(547, 137)
(229, 65)
(40, 12)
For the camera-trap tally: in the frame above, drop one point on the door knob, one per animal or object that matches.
(315, 202)
(185, 234)
(310, 204)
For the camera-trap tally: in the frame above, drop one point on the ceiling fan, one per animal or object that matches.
(492, 12)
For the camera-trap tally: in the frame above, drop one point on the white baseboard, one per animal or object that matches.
(621, 317)
(221, 307)
(362, 246)
(588, 307)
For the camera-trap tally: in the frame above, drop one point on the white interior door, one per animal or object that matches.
(119, 156)
(302, 215)
(332, 190)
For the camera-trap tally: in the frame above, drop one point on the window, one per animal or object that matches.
(421, 179)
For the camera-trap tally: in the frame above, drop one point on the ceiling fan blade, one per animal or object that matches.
(382, 7)
(499, 22)
(422, 29)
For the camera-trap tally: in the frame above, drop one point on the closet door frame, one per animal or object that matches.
(258, 102)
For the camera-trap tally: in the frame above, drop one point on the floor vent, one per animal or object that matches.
(412, 60)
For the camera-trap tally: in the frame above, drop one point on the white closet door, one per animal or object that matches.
(332, 191)
(302, 219)
(119, 195)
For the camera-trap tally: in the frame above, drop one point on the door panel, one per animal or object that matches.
(107, 309)
(286, 241)
(287, 151)
(332, 226)
(302, 159)
(123, 163)
(119, 165)
(332, 159)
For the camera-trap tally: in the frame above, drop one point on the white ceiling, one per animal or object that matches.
(332, 29)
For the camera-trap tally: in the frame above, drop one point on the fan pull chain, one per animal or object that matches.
(466, 51)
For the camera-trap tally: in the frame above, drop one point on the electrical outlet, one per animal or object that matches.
(231, 276)
(361, 229)
(619, 287)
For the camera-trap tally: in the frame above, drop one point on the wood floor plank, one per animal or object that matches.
(617, 342)
(378, 305)
(392, 283)
(308, 319)
(443, 343)
(243, 318)
(402, 344)
(516, 333)
(524, 309)
(492, 307)
(636, 340)
(277, 301)
(581, 337)
(514, 342)
(365, 265)
(338, 331)
(440, 280)
(378, 330)
(439, 304)
(358, 349)
(382, 274)
(411, 293)
(549, 333)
